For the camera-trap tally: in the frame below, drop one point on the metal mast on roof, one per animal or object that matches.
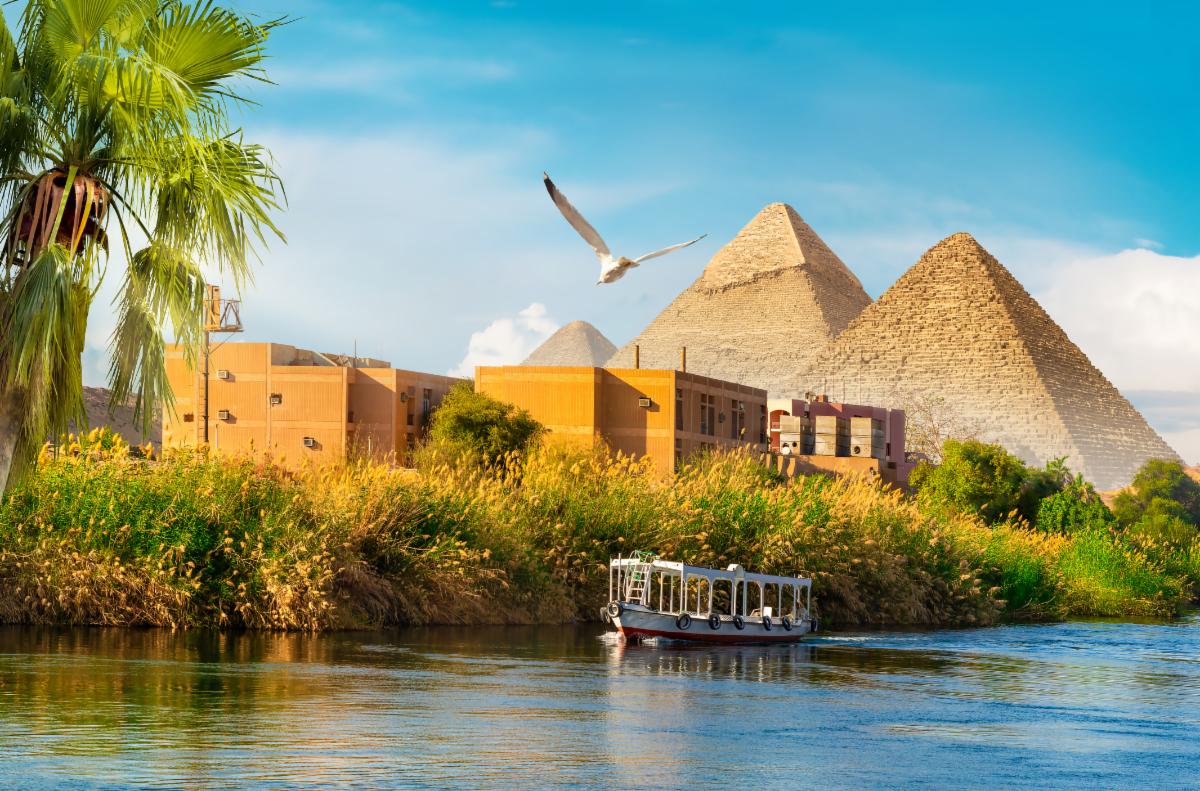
(220, 315)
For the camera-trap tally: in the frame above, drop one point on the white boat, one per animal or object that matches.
(654, 598)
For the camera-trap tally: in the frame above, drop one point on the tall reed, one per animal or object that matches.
(99, 536)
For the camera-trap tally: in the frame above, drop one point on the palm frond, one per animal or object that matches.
(44, 322)
(161, 286)
(205, 45)
(215, 199)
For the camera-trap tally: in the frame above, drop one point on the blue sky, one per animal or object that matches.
(413, 136)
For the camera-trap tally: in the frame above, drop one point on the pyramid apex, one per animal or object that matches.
(960, 241)
(776, 238)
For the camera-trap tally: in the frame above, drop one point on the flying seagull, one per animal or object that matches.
(611, 269)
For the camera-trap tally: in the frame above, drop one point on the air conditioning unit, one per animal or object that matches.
(310, 442)
(276, 399)
(222, 414)
(645, 403)
(222, 373)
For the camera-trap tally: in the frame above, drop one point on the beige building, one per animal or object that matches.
(666, 415)
(298, 404)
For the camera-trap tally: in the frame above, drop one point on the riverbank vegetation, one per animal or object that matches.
(98, 536)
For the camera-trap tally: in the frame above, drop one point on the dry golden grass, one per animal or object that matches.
(96, 536)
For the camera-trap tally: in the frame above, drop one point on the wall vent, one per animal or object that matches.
(310, 442)
(222, 373)
(645, 403)
(222, 414)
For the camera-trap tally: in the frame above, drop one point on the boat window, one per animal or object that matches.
(663, 591)
(723, 597)
(697, 596)
(771, 598)
(751, 599)
(788, 607)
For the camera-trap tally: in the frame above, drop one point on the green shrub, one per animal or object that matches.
(1076, 507)
(985, 479)
(476, 425)
(1160, 489)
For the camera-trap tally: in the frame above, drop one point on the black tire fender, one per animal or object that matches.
(786, 623)
(767, 622)
(683, 621)
(714, 622)
(615, 609)
(739, 622)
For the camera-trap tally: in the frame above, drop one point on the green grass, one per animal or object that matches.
(97, 537)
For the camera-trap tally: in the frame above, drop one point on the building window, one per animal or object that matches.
(410, 418)
(678, 409)
(712, 416)
(762, 424)
(426, 405)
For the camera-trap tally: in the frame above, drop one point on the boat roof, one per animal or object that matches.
(733, 573)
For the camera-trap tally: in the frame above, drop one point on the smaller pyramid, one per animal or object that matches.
(578, 343)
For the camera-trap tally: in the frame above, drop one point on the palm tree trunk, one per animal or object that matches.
(11, 406)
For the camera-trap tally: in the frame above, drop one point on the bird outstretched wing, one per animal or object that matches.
(666, 250)
(581, 226)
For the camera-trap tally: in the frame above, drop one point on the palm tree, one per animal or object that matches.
(116, 141)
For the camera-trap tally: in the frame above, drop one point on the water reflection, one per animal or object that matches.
(1068, 704)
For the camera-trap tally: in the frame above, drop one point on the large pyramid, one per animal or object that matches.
(578, 343)
(765, 307)
(959, 326)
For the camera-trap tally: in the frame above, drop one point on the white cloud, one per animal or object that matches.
(1135, 313)
(507, 341)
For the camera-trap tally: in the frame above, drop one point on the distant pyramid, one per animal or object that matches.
(578, 343)
(765, 307)
(959, 326)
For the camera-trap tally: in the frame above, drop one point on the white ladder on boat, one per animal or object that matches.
(639, 581)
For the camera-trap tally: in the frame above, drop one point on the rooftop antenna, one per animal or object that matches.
(220, 315)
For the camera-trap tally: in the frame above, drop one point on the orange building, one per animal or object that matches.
(667, 415)
(299, 404)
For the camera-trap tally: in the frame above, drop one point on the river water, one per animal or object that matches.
(1077, 705)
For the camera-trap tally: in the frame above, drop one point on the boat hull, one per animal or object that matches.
(636, 623)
